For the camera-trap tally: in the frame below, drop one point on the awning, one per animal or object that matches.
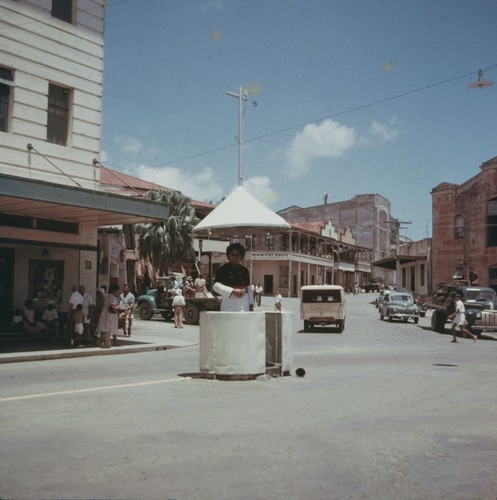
(391, 262)
(46, 200)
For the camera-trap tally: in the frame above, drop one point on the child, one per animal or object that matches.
(50, 319)
(78, 317)
(17, 320)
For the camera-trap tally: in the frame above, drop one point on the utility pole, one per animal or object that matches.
(241, 96)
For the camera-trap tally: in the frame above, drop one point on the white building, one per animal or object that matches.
(51, 200)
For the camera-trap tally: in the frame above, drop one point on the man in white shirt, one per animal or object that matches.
(458, 318)
(76, 298)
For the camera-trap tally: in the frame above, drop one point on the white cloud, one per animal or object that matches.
(129, 145)
(200, 186)
(329, 139)
(383, 132)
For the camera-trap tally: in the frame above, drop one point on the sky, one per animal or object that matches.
(343, 97)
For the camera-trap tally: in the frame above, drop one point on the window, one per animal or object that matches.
(492, 223)
(58, 114)
(62, 9)
(459, 226)
(422, 275)
(6, 83)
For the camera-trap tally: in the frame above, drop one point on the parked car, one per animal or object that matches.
(399, 305)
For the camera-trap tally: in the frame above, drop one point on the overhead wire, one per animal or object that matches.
(333, 115)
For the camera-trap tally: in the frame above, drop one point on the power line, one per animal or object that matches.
(334, 115)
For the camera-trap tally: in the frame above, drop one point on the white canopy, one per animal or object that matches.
(240, 213)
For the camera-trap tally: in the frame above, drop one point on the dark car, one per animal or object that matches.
(399, 305)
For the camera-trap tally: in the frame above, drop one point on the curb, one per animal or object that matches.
(66, 354)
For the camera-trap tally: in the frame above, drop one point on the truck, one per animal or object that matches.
(480, 304)
(159, 301)
(373, 286)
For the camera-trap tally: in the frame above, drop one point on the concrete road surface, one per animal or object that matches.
(385, 411)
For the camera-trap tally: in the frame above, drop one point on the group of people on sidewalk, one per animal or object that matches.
(102, 318)
(88, 322)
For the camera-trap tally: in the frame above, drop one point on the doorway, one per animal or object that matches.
(268, 284)
(6, 284)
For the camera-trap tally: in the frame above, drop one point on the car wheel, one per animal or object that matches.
(341, 326)
(144, 311)
(191, 314)
(381, 316)
(306, 326)
(389, 317)
(416, 320)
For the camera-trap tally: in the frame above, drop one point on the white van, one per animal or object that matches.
(322, 305)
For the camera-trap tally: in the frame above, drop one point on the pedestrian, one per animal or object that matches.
(258, 294)
(88, 307)
(473, 277)
(75, 299)
(277, 303)
(458, 318)
(97, 311)
(109, 318)
(200, 287)
(178, 307)
(232, 282)
(126, 303)
(78, 318)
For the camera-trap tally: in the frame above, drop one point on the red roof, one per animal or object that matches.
(121, 183)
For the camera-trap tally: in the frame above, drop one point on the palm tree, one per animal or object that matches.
(170, 241)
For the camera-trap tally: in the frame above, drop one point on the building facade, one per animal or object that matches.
(465, 227)
(367, 215)
(51, 199)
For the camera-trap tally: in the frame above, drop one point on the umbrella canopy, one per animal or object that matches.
(239, 214)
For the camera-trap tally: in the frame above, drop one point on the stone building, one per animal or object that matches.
(367, 215)
(465, 227)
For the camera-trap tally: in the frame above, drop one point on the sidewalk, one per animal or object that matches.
(153, 335)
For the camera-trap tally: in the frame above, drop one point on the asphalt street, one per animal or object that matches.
(385, 410)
